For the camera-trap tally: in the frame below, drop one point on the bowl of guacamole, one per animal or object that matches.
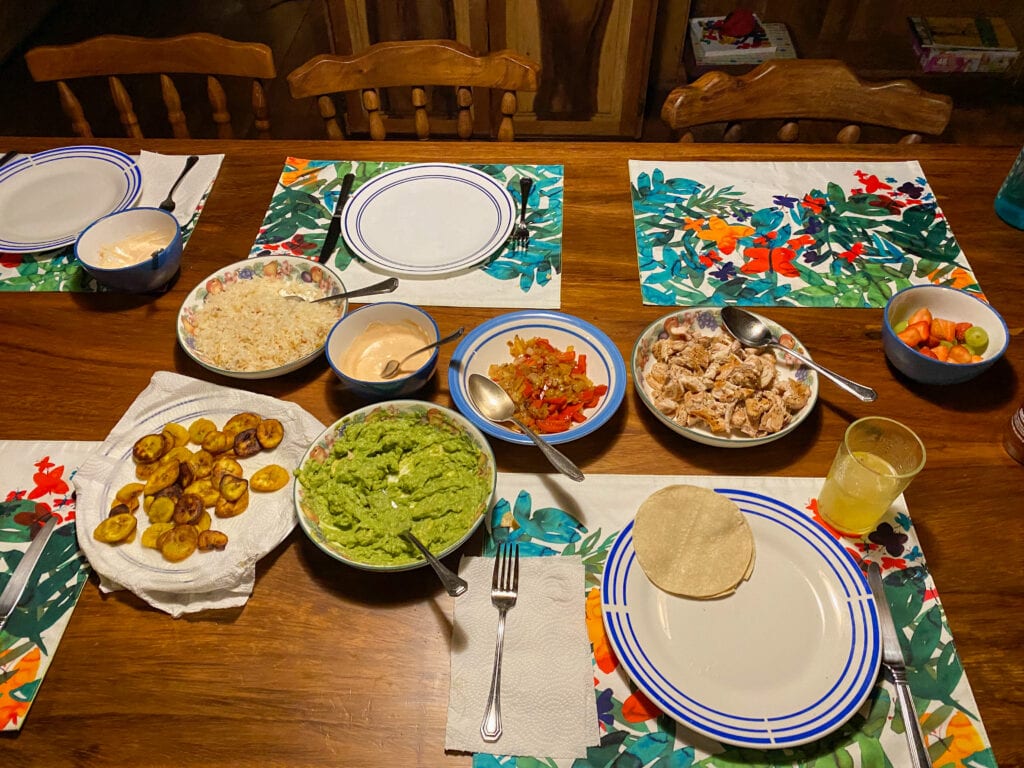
(385, 469)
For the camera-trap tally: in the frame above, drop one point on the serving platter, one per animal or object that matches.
(48, 198)
(487, 344)
(426, 220)
(785, 660)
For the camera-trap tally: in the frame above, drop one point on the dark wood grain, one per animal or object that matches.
(330, 666)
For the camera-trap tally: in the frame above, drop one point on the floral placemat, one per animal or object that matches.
(35, 482)
(305, 197)
(789, 233)
(59, 270)
(552, 516)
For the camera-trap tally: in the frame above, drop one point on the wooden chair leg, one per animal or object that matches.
(464, 120)
(73, 109)
(371, 103)
(329, 114)
(125, 109)
(173, 103)
(219, 103)
(420, 119)
(508, 108)
(789, 132)
(849, 134)
(259, 109)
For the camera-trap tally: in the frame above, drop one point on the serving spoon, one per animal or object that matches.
(454, 584)
(495, 404)
(749, 330)
(391, 366)
(384, 286)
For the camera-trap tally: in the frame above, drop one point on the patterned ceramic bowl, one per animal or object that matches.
(463, 486)
(689, 400)
(239, 321)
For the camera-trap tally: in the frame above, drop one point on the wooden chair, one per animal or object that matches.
(793, 89)
(117, 55)
(415, 64)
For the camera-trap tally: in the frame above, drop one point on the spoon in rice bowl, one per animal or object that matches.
(384, 286)
(495, 404)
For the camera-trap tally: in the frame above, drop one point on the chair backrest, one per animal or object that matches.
(112, 56)
(416, 64)
(793, 89)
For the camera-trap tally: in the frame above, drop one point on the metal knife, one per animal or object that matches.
(892, 658)
(7, 156)
(334, 228)
(19, 579)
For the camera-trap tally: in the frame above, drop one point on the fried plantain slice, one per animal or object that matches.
(179, 542)
(199, 429)
(270, 433)
(204, 463)
(232, 488)
(225, 466)
(188, 509)
(144, 471)
(246, 444)
(121, 509)
(129, 491)
(272, 477)
(205, 489)
(177, 433)
(115, 529)
(161, 510)
(165, 475)
(217, 442)
(225, 508)
(149, 448)
(204, 522)
(153, 532)
(240, 422)
(210, 540)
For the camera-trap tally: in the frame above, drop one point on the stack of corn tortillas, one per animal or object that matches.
(693, 542)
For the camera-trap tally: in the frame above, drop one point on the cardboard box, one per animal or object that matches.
(780, 47)
(963, 43)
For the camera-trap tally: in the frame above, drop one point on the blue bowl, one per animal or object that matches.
(949, 304)
(355, 324)
(151, 267)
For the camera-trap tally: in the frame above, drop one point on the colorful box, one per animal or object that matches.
(963, 43)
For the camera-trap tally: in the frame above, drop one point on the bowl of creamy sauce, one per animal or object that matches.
(362, 342)
(138, 249)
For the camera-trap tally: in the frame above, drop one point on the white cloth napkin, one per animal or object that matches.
(548, 707)
(204, 580)
(159, 172)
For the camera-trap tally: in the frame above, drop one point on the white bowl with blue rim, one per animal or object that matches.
(290, 274)
(488, 344)
(153, 268)
(708, 321)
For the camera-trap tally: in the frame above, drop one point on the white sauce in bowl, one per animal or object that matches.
(370, 351)
(131, 250)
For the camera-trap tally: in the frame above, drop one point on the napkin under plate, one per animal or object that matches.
(547, 679)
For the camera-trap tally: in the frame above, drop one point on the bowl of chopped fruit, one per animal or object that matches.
(703, 384)
(566, 376)
(939, 335)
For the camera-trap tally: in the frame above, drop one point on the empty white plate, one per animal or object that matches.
(430, 219)
(48, 198)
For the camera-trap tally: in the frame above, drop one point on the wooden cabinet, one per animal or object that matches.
(595, 54)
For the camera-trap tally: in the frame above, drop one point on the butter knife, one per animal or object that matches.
(7, 156)
(892, 659)
(19, 579)
(334, 228)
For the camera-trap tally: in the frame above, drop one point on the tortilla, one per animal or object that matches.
(693, 542)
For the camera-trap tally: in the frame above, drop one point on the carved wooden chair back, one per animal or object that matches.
(113, 56)
(794, 89)
(416, 64)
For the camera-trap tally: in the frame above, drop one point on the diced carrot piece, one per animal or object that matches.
(941, 352)
(943, 329)
(959, 354)
(922, 315)
(961, 329)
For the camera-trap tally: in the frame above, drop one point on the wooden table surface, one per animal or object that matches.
(331, 666)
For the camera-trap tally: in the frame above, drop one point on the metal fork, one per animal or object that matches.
(521, 234)
(504, 590)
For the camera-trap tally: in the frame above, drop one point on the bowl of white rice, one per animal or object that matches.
(244, 322)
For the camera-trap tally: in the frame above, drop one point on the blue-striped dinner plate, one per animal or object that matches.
(785, 660)
(431, 219)
(48, 198)
(487, 345)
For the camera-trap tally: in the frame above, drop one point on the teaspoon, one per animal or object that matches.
(454, 584)
(384, 286)
(494, 404)
(749, 330)
(392, 366)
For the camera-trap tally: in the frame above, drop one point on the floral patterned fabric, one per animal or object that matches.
(548, 521)
(35, 482)
(307, 193)
(789, 234)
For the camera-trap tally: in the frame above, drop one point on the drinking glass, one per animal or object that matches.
(874, 464)
(1009, 202)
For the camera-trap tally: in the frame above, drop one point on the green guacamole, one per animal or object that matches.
(394, 472)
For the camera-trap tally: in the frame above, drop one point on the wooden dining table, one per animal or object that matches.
(328, 665)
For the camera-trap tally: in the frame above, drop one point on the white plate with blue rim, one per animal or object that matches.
(48, 198)
(428, 219)
(488, 344)
(785, 660)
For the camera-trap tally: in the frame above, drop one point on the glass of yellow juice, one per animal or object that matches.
(874, 464)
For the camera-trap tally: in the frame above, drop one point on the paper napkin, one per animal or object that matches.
(548, 706)
(204, 580)
(159, 172)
